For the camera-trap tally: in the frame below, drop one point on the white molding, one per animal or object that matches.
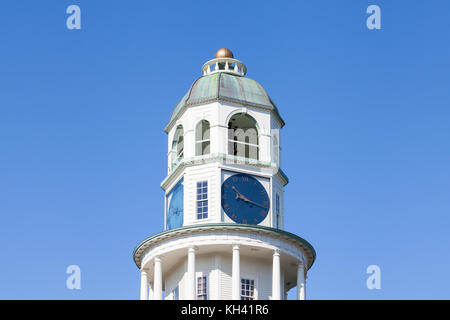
(225, 237)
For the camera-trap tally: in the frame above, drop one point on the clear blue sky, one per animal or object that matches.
(366, 143)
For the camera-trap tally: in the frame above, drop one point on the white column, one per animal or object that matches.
(264, 146)
(157, 280)
(301, 282)
(189, 143)
(219, 137)
(144, 285)
(236, 275)
(150, 295)
(276, 277)
(191, 274)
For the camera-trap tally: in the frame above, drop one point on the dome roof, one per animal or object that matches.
(223, 86)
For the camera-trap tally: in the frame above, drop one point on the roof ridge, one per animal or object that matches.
(218, 85)
(190, 89)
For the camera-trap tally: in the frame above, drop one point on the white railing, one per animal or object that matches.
(224, 65)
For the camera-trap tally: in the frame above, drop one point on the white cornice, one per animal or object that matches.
(221, 158)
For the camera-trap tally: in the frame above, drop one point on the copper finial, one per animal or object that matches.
(224, 53)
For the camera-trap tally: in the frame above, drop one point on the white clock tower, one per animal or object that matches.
(224, 232)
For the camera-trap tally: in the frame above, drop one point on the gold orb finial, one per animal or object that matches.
(224, 53)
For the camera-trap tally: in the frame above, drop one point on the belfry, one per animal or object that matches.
(224, 214)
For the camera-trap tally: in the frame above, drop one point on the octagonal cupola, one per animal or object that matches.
(225, 127)
(223, 79)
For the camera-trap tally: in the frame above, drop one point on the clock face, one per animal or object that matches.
(244, 199)
(175, 206)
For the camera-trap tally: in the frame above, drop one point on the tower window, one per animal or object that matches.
(177, 151)
(202, 288)
(202, 200)
(243, 136)
(277, 210)
(276, 149)
(202, 138)
(247, 289)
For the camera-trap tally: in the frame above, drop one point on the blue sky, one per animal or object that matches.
(365, 146)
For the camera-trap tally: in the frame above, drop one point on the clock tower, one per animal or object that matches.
(224, 234)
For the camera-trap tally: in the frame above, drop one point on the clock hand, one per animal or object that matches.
(250, 201)
(238, 194)
(241, 196)
(256, 204)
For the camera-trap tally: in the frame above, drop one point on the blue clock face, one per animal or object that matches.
(244, 199)
(175, 206)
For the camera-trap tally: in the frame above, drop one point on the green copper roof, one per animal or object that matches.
(226, 87)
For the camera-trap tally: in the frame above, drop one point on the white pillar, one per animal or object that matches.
(236, 275)
(157, 280)
(150, 295)
(191, 274)
(189, 144)
(276, 276)
(144, 285)
(264, 146)
(301, 282)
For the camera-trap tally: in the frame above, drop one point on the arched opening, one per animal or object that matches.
(243, 136)
(176, 153)
(202, 138)
(276, 149)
